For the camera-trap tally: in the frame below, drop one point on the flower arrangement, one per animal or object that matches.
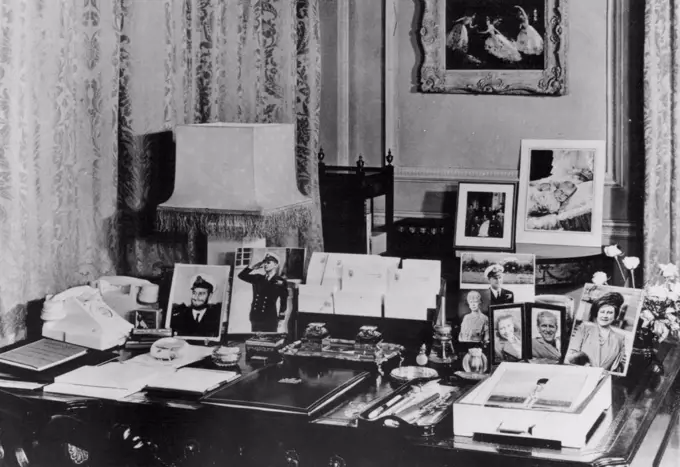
(661, 307)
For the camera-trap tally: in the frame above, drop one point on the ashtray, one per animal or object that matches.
(404, 374)
(226, 356)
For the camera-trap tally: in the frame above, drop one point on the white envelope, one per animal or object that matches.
(405, 304)
(353, 303)
(315, 299)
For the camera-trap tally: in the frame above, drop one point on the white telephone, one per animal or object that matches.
(126, 294)
(81, 316)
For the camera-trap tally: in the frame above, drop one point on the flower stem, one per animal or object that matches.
(623, 275)
(632, 277)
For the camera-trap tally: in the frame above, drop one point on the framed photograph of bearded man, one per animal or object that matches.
(198, 302)
(548, 332)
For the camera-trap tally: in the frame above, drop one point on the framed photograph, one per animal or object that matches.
(494, 47)
(147, 319)
(199, 296)
(498, 278)
(548, 332)
(604, 328)
(485, 216)
(561, 192)
(507, 330)
(264, 279)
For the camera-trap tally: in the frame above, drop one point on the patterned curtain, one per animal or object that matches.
(58, 149)
(197, 61)
(662, 134)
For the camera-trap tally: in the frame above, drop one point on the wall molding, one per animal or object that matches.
(617, 91)
(435, 175)
(612, 229)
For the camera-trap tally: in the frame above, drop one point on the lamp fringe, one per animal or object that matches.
(234, 225)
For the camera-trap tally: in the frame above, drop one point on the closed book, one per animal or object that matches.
(288, 389)
(90, 357)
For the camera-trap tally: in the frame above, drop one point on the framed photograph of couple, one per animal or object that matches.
(561, 192)
(485, 216)
(494, 47)
(534, 332)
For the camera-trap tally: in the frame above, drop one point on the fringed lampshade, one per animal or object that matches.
(235, 180)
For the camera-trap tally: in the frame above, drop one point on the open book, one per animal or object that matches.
(540, 386)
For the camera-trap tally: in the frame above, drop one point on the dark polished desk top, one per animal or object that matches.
(637, 399)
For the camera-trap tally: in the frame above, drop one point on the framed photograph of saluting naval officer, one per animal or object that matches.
(263, 289)
(198, 301)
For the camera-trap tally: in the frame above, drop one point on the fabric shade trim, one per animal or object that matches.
(236, 224)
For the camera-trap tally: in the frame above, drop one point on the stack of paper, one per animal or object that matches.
(188, 355)
(190, 381)
(113, 380)
(413, 289)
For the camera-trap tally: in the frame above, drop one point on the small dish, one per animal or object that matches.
(404, 374)
(226, 356)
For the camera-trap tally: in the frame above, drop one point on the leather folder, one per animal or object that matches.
(288, 389)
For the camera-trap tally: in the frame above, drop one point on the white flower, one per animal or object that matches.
(673, 295)
(647, 317)
(671, 317)
(669, 270)
(612, 251)
(658, 292)
(600, 278)
(631, 262)
(661, 331)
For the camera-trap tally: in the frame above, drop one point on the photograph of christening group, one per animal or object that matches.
(494, 35)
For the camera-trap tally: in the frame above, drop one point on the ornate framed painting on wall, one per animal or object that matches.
(493, 47)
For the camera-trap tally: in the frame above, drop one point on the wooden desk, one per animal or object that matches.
(140, 431)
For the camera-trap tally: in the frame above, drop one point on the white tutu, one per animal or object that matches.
(529, 41)
(501, 47)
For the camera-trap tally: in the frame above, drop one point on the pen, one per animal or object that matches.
(407, 411)
(389, 404)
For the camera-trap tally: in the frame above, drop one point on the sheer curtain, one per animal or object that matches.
(83, 85)
(58, 144)
(662, 134)
(196, 61)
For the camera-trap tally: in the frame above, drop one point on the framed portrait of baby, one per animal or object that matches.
(561, 192)
(548, 332)
(485, 216)
(507, 333)
(604, 328)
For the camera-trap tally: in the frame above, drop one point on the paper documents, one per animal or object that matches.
(113, 380)
(191, 381)
(189, 354)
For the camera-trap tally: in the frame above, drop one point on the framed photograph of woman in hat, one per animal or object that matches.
(199, 296)
(604, 328)
(264, 282)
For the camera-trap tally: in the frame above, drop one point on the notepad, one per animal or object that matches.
(42, 354)
(191, 381)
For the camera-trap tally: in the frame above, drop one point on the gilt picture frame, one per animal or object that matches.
(491, 47)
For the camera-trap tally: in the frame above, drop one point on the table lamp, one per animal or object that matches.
(235, 181)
